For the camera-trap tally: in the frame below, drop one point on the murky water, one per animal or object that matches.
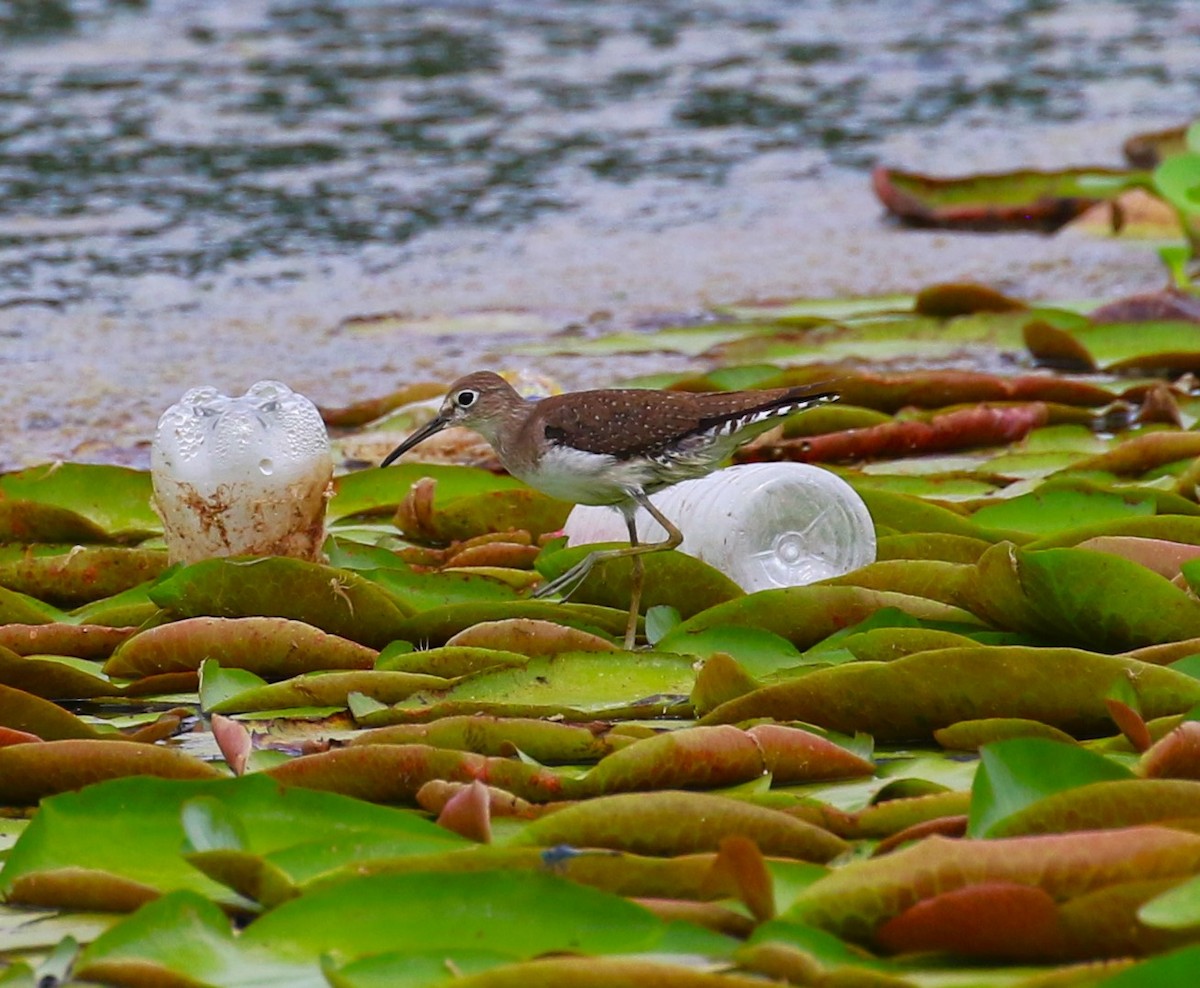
(205, 192)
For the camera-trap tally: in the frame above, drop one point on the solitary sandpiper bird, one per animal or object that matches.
(610, 447)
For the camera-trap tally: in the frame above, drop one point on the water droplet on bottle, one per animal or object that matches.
(266, 466)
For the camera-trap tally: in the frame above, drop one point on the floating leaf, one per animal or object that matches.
(708, 757)
(674, 579)
(1016, 774)
(84, 641)
(963, 428)
(89, 834)
(54, 677)
(271, 647)
(460, 518)
(83, 574)
(320, 689)
(807, 615)
(380, 491)
(438, 625)
(1081, 597)
(337, 601)
(19, 608)
(575, 685)
(971, 735)
(546, 742)
(678, 823)
(1025, 199)
(24, 711)
(392, 773)
(529, 637)
(855, 900)
(30, 772)
(115, 500)
(451, 661)
(911, 697)
(1043, 512)
(422, 591)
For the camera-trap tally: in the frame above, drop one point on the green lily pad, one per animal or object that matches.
(340, 602)
(807, 615)
(1015, 774)
(913, 696)
(115, 500)
(671, 578)
(576, 685)
(367, 492)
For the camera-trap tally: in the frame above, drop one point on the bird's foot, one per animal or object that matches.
(568, 581)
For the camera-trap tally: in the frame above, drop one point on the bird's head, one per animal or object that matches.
(479, 401)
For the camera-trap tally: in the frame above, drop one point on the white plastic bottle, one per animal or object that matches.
(242, 476)
(763, 525)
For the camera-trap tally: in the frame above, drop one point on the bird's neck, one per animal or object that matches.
(503, 430)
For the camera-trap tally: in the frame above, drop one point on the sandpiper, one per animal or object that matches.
(611, 447)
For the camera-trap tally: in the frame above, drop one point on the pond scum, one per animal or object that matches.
(974, 761)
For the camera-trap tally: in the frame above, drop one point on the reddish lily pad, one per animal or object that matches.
(1176, 755)
(529, 637)
(30, 772)
(392, 773)
(82, 574)
(971, 735)
(369, 409)
(891, 392)
(84, 641)
(706, 757)
(855, 901)
(32, 521)
(268, 646)
(667, 822)
(965, 428)
(988, 919)
(23, 711)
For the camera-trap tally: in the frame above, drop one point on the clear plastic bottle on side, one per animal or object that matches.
(764, 525)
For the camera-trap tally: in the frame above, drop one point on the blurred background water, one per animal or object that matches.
(204, 191)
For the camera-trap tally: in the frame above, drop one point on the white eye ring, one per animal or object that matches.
(466, 398)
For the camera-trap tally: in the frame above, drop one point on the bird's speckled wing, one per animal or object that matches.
(625, 423)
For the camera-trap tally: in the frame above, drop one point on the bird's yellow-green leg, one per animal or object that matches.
(567, 582)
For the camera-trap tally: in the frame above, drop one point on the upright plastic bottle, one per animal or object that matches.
(242, 476)
(763, 525)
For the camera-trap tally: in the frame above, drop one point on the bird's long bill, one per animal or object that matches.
(430, 428)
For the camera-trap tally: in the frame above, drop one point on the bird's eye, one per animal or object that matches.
(465, 399)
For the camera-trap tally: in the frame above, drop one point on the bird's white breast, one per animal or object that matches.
(586, 478)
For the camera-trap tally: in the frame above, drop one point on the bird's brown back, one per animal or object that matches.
(627, 422)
